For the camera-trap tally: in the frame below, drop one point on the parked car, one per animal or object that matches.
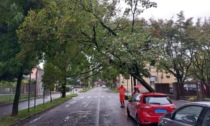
(190, 114)
(147, 108)
(103, 86)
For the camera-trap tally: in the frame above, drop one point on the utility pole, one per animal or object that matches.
(29, 92)
(35, 87)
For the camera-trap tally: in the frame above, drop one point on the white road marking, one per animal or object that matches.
(67, 106)
(102, 96)
(35, 120)
(81, 97)
(98, 109)
(89, 96)
(87, 103)
(72, 102)
(67, 118)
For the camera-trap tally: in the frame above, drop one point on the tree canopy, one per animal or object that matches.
(85, 38)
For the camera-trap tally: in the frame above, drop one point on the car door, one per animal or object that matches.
(206, 120)
(134, 101)
(185, 116)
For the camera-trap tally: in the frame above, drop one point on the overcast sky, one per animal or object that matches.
(169, 8)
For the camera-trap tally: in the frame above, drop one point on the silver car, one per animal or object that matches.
(190, 114)
(103, 86)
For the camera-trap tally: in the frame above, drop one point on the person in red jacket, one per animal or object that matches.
(122, 90)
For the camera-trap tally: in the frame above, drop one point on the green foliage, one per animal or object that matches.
(12, 15)
(78, 39)
(51, 75)
(114, 90)
(177, 46)
(84, 39)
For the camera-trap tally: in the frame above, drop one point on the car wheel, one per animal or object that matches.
(138, 120)
(128, 112)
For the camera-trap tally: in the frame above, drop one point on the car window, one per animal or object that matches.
(206, 119)
(138, 97)
(135, 98)
(188, 114)
(162, 100)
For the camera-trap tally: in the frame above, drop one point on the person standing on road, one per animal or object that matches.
(136, 90)
(122, 90)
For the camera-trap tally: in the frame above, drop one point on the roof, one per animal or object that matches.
(203, 103)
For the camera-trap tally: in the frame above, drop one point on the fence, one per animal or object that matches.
(183, 91)
(7, 93)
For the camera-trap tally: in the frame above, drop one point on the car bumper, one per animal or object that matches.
(148, 119)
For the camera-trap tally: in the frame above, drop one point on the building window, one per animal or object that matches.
(168, 76)
(153, 80)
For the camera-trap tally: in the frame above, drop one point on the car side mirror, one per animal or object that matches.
(168, 115)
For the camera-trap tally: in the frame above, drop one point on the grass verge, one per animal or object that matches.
(23, 114)
(85, 90)
(113, 89)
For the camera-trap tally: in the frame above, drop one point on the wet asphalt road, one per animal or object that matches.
(97, 107)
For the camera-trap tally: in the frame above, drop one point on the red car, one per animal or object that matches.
(147, 108)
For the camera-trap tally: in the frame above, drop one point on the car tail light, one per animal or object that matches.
(146, 107)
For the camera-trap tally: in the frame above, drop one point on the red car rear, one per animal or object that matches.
(147, 108)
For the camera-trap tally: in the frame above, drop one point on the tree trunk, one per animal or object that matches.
(134, 81)
(132, 84)
(17, 95)
(63, 91)
(50, 96)
(143, 82)
(133, 22)
(44, 96)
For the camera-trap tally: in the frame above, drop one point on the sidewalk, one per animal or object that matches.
(179, 103)
(7, 108)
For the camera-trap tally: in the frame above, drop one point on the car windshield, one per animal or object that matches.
(160, 100)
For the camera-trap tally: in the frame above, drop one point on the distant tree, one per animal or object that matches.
(200, 68)
(137, 7)
(177, 46)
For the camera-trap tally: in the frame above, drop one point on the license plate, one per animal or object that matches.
(160, 111)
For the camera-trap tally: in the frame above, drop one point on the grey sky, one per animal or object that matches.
(169, 8)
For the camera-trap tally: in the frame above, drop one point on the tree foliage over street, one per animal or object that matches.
(87, 38)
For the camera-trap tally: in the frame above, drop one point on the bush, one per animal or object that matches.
(68, 89)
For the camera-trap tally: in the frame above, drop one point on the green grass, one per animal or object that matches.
(85, 90)
(129, 97)
(113, 89)
(8, 120)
